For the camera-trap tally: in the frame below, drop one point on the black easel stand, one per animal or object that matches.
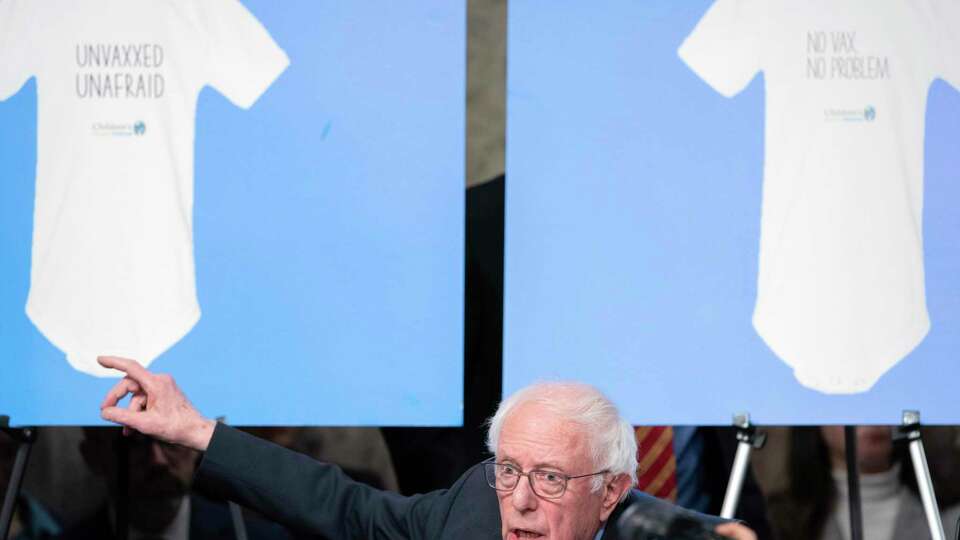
(26, 437)
(748, 438)
(909, 430)
(853, 482)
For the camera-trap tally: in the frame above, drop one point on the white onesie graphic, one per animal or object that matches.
(840, 293)
(117, 83)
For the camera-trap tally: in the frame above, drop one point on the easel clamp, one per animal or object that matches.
(747, 432)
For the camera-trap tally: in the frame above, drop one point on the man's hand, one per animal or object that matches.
(736, 531)
(158, 408)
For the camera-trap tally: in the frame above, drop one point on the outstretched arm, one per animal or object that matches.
(290, 488)
(310, 496)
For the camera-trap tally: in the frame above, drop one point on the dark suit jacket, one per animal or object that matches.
(317, 498)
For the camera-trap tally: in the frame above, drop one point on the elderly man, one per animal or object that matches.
(565, 462)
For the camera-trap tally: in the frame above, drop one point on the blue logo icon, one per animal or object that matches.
(869, 114)
(139, 128)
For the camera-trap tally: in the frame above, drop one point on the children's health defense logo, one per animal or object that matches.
(866, 114)
(119, 129)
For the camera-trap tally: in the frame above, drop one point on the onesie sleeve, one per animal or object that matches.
(948, 49)
(725, 47)
(16, 34)
(242, 60)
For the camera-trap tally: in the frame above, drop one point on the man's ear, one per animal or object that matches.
(613, 492)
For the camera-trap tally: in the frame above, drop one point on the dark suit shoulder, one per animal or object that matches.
(470, 509)
(317, 498)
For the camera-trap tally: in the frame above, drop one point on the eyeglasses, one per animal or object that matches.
(546, 484)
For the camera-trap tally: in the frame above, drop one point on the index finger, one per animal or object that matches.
(133, 369)
(125, 386)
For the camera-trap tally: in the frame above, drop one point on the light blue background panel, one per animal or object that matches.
(633, 219)
(328, 233)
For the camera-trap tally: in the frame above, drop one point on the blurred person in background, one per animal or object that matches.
(159, 504)
(815, 504)
(31, 520)
(59, 478)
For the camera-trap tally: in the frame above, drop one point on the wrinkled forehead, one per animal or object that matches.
(534, 434)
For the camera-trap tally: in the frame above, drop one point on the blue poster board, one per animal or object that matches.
(327, 220)
(633, 219)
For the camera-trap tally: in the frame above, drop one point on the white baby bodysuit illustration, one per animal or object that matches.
(112, 268)
(840, 293)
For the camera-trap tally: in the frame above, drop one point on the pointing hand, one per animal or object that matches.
(158, 407)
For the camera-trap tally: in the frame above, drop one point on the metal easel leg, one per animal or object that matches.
(853, 482)
(236, 515)
(748, 439)
(26, 437)
(910, 430)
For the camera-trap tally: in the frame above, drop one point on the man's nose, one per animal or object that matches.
(523, 497)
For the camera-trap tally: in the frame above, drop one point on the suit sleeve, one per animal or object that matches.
(310, 496)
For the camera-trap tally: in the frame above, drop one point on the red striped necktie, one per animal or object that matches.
(657, 468)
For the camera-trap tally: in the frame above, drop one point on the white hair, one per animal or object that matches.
(610, 438)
